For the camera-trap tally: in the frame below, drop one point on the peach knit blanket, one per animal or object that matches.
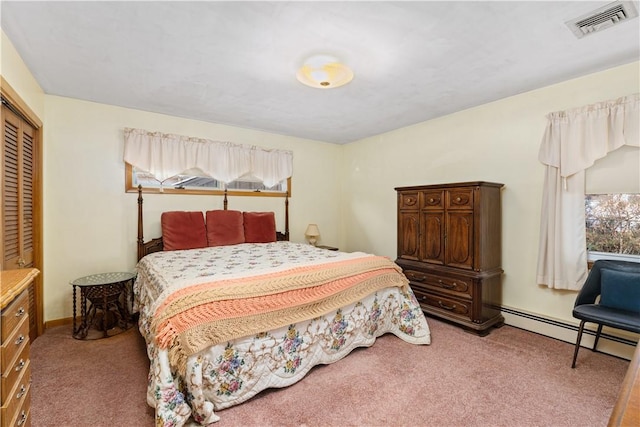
(203, 315)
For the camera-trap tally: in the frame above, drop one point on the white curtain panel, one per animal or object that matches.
(168, 155)
(573, 141)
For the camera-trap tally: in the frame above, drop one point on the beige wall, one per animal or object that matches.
(496, 142)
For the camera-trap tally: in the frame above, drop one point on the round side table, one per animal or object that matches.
(107, 310)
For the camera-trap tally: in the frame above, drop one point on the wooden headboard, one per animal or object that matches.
(155, 245)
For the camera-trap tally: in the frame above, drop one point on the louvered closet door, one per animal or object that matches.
(17, 191)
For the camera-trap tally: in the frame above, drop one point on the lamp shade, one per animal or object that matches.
(324, 72)
(312, 231)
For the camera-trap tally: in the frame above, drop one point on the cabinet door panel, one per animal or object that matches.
(433, 237)
(408, 235)
(459, 251)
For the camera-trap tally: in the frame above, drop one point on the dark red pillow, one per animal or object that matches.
(224, 228)
(183, 230)
(259, 227)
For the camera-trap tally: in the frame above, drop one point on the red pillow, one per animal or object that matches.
(183, 230)
(224, 228)
(259, 227)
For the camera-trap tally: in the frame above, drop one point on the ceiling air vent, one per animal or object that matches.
(603, 18)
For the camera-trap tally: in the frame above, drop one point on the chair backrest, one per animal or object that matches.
(620, 290)
(625, 272)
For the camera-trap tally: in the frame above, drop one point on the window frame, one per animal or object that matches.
(130, 188)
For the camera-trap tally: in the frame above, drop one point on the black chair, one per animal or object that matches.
(618, 285)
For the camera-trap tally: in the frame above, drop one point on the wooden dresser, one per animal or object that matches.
(449, 247)
(14, 356)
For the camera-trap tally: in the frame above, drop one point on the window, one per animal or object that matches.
(613, 226)
(195, 184)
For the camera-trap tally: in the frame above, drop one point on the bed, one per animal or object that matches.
(240, 314)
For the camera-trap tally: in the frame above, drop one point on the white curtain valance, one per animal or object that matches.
(168, 155)
(573, 141)
(576, 138)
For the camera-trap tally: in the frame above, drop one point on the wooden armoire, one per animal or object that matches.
(449, 247)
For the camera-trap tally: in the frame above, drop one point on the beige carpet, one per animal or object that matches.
(509, 378)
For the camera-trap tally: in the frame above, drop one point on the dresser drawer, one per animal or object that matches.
(460, 198)
(18, 397)
(12, 373)
(432, 200)
(451, 306)
(22, 417)
(12, 346)
(457, 286)
(13, 314)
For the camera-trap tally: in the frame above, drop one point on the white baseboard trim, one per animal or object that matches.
(612, 341)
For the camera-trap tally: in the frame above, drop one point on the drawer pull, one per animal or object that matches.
(20, 312)
(418, 278)
(20, 365)
(22, 391)
(447, 285)
(431, 200)
(20, 340)
(23, 418)
(445, 306)
(458, 199)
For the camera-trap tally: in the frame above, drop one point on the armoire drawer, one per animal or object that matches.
(451, 306)
(460, 198)
(432, 199)
(457, 286)
(408, 200)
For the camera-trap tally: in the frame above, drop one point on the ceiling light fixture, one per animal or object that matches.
(324, 72)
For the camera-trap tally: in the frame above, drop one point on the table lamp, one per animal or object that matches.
(312, 233)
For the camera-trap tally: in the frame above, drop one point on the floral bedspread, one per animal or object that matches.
(228, 374)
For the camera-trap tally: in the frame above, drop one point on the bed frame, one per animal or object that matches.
(155, 245)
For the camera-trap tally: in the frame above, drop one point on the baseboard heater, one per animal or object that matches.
(564, 326)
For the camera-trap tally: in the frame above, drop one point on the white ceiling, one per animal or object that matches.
(235, 62)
